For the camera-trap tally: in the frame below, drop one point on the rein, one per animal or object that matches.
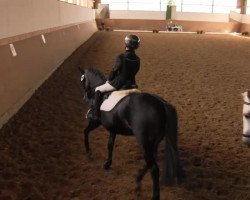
(95, 79)
(94, 87)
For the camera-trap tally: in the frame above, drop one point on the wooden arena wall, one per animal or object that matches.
(148, 20)
(35, 61)
(146, 24)
(245, 27)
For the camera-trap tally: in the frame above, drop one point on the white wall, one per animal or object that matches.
(206, 17)
(36, 61)
(236, 16)
(129, 14)
(240, 17)
(245, 19)
(24, 16)
(161, 15)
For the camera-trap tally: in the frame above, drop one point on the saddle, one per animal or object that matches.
(112, 98)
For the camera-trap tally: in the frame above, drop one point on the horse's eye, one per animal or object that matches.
(82, 78)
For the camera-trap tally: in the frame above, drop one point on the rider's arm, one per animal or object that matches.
(116, 70)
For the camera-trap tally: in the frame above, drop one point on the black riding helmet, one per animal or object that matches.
(132, 42)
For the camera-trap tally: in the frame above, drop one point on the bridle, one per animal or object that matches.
(246, 136)
(89, 91)
(246, 103)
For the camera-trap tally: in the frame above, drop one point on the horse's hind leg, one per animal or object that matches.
(139, 178)
(151, 164)
(141, 174)
(91, 126)
(154, 170)
(111, 143)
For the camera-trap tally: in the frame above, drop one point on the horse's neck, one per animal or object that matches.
(96, 79)
(99, 83)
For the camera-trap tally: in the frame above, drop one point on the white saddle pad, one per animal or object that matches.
(109, 103)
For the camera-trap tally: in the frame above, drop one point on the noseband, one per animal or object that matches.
(246, 103)
(246, 136)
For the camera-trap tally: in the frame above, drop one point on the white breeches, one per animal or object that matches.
(106, 87)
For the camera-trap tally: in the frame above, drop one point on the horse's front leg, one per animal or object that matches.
(111, 143)
(91, 126)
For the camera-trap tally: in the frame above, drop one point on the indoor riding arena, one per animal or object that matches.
(194, 54)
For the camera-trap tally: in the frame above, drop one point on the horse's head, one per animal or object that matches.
(90, 79)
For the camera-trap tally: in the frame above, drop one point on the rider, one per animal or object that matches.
(122, 75)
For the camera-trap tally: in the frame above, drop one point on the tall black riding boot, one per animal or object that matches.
(96, 106)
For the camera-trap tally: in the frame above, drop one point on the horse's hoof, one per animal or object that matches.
(138, 188)
(156, 198)
(107, 164)
(89, 155)
(138, 179)
(138, 191)
(88, 150)
(181, 180)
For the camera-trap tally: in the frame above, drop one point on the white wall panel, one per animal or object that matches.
(246, 19)
(161, 15)
(207, 17)
(24, 16)
(128, 14)
(236, 16)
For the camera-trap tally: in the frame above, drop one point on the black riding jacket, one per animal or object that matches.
(126, 67)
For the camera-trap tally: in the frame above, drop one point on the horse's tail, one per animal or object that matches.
(173, 169)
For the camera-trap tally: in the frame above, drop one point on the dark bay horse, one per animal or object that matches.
(149, 118)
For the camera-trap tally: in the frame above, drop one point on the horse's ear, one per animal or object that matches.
(81, 70)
